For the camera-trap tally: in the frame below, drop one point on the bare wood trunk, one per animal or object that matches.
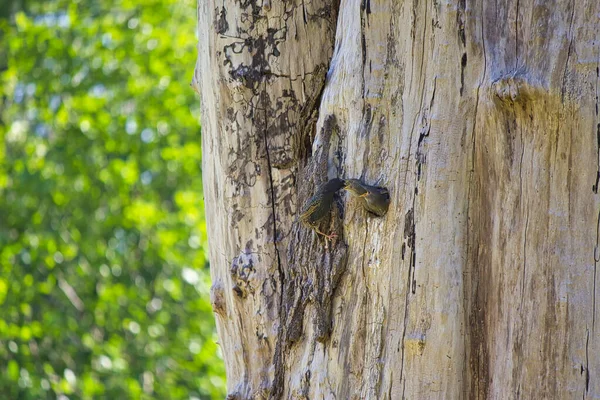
(482, 120)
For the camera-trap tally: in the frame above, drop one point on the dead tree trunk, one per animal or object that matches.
(482, 120)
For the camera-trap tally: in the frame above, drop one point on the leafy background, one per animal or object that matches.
(104, 280)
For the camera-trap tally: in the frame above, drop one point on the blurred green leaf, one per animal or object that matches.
(104, 281)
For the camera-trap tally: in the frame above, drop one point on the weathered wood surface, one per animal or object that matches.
(482, 120)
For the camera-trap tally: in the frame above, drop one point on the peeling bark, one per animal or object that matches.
(481, 118)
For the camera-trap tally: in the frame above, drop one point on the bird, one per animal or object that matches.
(374, 199)
(317, 207)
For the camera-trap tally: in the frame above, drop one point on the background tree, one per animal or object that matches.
(103, 273)
(482, 120)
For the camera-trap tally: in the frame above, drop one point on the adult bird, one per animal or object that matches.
(374, 199)
(316, 209)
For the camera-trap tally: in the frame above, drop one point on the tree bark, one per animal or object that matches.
(481, 118)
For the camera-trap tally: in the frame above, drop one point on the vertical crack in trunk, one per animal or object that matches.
(476, 379)
(596, 260)
(595, 190)
(523, 276)
(595, 186)
(314, 271)
(274, 215)
(564, 80)
(272, 190)
(587, 363)
(409, 237)
(365, 10)
(517, 36)
(526, 218)
(292, 297)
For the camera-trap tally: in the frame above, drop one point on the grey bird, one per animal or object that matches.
(374, 199)
(318, 206)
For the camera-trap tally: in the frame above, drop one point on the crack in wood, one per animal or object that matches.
(596, 260)
(564, 80)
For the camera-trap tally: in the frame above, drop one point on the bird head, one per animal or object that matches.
(333, 185)
(354, 186)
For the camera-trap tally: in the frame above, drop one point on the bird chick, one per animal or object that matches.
(318, 206)
(374, 199)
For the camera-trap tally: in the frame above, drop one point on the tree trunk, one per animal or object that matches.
(481, 118)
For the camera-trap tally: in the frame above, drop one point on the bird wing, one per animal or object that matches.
(309, 208)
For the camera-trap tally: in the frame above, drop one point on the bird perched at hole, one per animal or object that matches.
(317, 207)
(374, 199)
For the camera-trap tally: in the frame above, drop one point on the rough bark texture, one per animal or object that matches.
(481, 118)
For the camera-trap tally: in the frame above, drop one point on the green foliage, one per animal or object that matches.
(104, 279)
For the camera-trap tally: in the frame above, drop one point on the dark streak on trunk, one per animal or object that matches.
(314, 272)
